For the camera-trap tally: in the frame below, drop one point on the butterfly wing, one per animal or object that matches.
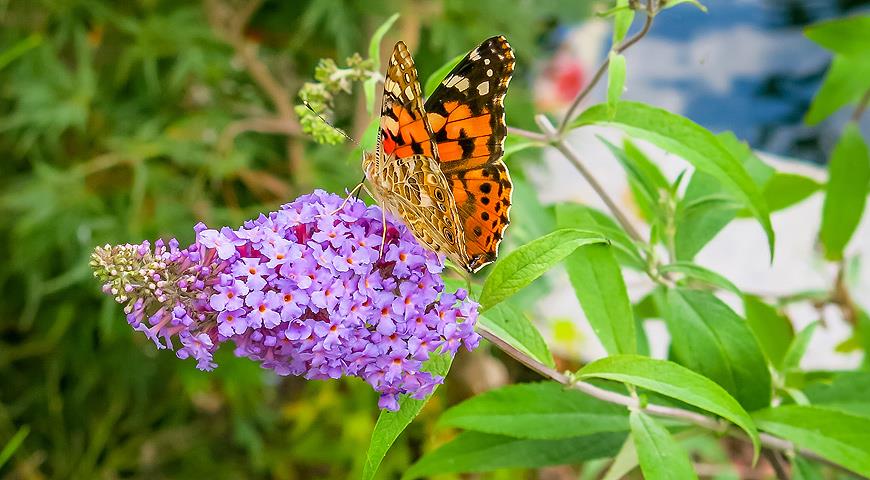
(466, 114)
(406, 177)
(404, 129)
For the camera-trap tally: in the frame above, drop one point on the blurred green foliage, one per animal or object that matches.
(123, 121)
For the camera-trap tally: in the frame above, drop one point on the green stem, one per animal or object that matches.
(862, 105)
(650, 14)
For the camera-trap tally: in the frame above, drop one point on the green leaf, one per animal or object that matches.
(20, 48)
(642, 340)
(661, 457)
(582, 217)
(862, 334)
(846, 192)
(375, 55)
(703, 274)
(440, 74)
(709, 338)
(12, 445)
(672, 380)
(837, 436)
(846, 392)
(845, 83)
(600, 289)
(848, 35)
(786, 189)
(482, 452)
(615, 81)
(647, 171)
(771, 327)
(647, 181)
(519, 268)
(674, 3)
(780, 190)
(512, 326)
(759, 171)
(622, 19)
(624, 462)
(598, 284)
(369, 91)
(391, 424)
(803, 469)
(701, 215)
(689, 140)
(544, 410)
(652, 305)
(798, 347)
(375, 42)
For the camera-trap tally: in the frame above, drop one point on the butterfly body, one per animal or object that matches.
(438, 164)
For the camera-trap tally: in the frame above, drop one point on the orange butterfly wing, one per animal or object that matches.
(404, 129)
(466, 115)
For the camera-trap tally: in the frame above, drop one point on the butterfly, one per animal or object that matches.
(438, 166)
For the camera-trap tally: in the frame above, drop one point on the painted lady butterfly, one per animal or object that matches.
(439, 166)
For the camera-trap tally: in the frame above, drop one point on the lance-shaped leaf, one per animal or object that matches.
(708, 337)
(521, 267)
(482, 452)
(660, 456)
(848, 36)
(545, 410)
(846, 193)
(511, 325)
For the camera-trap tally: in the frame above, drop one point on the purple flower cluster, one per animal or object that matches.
(305, 291)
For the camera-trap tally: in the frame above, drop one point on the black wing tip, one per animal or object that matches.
(496, 42)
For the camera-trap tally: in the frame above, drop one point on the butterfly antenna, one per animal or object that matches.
(343, 134)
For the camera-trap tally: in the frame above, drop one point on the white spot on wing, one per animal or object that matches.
(452, 80)
(489, 72)
(409, 92)
(462, 85)
(483, 88)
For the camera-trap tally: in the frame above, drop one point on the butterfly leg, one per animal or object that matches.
(383, 223)
(346, 199)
